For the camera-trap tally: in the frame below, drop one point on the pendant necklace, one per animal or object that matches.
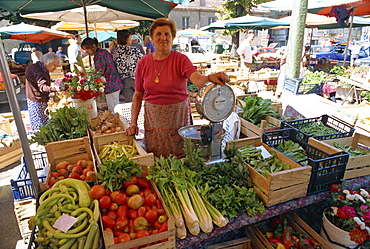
(156, 80)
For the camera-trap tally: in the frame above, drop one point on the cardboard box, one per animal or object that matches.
(356, 166)
(168, 239)
(98, 142)
(259, 241)
(280, 186)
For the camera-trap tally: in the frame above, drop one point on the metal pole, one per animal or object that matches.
(348, 38)
(14, 106)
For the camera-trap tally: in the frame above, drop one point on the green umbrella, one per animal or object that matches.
(102, 36)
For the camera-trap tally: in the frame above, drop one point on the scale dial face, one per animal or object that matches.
(216, 102)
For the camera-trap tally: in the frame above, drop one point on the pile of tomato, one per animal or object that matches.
(133, 212)
(81, 170)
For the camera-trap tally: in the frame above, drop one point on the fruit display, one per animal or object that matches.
(107, 123)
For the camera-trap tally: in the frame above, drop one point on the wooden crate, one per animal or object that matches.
(10, 154)
(169, 235)
(259, 241)
(280, 186)
(70, 150)
(110, 117)
(242, 243)
(98, 142)
(356, 166)
(247, 127)
(23, 211)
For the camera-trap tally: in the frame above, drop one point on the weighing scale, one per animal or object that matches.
(214, 103)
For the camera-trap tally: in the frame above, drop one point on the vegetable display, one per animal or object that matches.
(65, 123)
(115, 150)
(294, 151)
(68, 197)
(256, 108)
(352, 152)
(317, 129)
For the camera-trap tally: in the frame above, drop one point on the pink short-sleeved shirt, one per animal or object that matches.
(172, 85)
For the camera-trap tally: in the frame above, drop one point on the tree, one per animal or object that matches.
(143, 28)
(16, 19)
(236, 8)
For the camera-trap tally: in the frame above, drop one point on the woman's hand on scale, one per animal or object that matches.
(219, 78)
(132, 130)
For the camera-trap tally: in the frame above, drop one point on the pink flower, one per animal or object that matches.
(350, 211)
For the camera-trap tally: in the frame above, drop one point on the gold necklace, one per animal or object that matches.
(156, 80)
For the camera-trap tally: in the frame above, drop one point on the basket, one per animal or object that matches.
(124, 111)
(344, 129)
(295, 86)
(22, 187)
(328, 166)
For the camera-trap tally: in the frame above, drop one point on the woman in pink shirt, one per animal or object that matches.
(161, 81)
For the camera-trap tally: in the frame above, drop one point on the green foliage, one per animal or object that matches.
(143, 28)
(16, 19)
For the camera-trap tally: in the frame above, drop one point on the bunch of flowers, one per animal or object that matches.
(83, 85)
(350, 211)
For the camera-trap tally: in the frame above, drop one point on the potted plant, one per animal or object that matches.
(346, 223)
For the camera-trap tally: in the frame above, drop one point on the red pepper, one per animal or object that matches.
(274, 241)
(314, 243)
(164, 227)
(305, 244)
(275, 221)
(287, 235)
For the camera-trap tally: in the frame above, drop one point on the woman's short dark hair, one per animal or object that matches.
(163, 21)
(89, 42)
(122, 36)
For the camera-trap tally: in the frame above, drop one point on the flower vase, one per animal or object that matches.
(335, 234)
(89, 105)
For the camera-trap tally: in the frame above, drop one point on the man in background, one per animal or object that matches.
(149, 45)
(135, 43)
(245, 50)
(74, 51)
(355, 51)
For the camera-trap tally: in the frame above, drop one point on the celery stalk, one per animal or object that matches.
(205, 220)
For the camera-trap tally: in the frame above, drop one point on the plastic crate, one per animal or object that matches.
(344, 129)
(22, 187)
(327, 168)
(295, 86)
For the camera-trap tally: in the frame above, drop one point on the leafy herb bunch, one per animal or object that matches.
(350, 211)
(83, 85)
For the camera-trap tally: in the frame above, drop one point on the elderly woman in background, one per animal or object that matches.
(161, 80)
(126, 58)
(104, 63)
(38, 87)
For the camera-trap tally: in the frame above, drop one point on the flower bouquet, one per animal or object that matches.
(83, 85)
(350, 211)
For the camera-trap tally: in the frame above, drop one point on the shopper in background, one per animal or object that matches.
(245, 51)
(161, 81)
(112, 44)
(38, 88)
(355, 51)
(35, 55)
(104, 63)
(135, 43)
(50, 50)
(74, 51)
(126, 58)
(149, 45)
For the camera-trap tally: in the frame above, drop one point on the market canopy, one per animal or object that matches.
(361, 8)
(101, 26)
(288, 5)
(247, 21)
(194, 32)
(31, 33)
(102, 36)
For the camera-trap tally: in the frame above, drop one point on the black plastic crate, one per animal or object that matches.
(295, 86)
(22, 187)
(327, 169)
(343, 129)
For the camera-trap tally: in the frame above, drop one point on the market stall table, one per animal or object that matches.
(355, 85)
(243, 220)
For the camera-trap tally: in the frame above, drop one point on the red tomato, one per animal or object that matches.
(88, 175)
(116, 240)
(141, 212)
(107, 221)
(82, 177)
(117, 233)
(150, 200)
(132, 213)
(143, 183)
(63, 172)
(55, 174)
(113, 206)
(158, 203)
(108, 229)
(157, 225)
(121, 199)
(97, 191)
(121, 223)
(142, 233)
(105, 202)
(131, 228)
(74, 175)
(62, 165)
(84, 172)
(113, 215)
(113, 195)
(151, 216)
(77, 169)
(147, 191)
(82, 163)
(53, 180)
(122, 211)
(164, 227)
(128, 183)
(124, 237)
(140, 223)
(159, 211)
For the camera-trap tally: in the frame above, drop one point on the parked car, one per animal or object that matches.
(362, 61)
(195, 53)
(270, 53)
(17, 86)
(23, 55)
(336, 53)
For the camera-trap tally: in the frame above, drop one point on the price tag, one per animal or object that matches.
(65, 222)
(265, 153)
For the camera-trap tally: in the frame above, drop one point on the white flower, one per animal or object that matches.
(364, 193)
(86, 88)
(359, 222)
(368, 230)
(350, 197)
(359, 197)
(335, 210)
(79, 88)
(346, 192)
(101, 89)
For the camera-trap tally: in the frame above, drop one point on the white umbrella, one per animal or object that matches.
(100, 26)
